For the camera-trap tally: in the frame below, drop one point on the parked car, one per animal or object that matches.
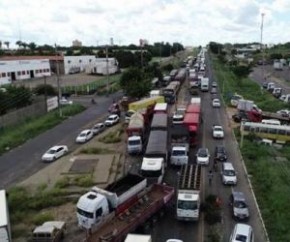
(98, 128)
(239, 206)
(220, 153)
(54, 153)
(84, 136)
(216, 103)
(218, 132)
(265, 85)
(112, 120)
(202, 156)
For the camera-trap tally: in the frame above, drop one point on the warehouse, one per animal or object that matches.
(21, 68)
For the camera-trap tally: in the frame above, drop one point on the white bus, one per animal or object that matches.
(5, 233)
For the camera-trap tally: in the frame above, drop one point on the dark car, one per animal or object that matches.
(265, 84)
(220, 153)
(239, 206)
(213, 90)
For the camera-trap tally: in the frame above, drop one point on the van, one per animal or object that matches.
(242, 232)
(228, 174)
(271, 121)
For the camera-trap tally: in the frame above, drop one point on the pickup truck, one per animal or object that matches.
(51, 231)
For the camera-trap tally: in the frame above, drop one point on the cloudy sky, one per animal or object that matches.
(190, 22)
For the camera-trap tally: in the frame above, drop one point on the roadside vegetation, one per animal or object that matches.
(112, 137)
(268, 167)
(14, 136)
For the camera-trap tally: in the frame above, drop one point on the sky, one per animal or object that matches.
(189, 22)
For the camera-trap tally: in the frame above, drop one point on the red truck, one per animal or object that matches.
(192, 121)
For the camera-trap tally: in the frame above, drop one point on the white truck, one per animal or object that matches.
(5, 230)
(188, 193)
(138, 238)
(135, 132)
(278, 65)
(180, 145)
(155, 158)
(204, 84)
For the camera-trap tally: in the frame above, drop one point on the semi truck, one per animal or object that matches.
(159, 121)
(188, 193)
(192, 122)
(110, 214)
(144, 106)
(136, 134)
(248, 111)
(155, 158)
(179, 144)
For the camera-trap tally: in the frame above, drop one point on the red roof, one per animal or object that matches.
(31, 57)
(193, 108)
(191, 119)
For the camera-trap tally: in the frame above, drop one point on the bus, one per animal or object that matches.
(277, 133)
(170, 92)
(5, 232)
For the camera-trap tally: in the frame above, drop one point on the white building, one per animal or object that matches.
(74, 64)
(21, 69)
(99, 66)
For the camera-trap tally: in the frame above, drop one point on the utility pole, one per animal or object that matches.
(107, 70)
(58, 83)
(263, 50)
(45, 93)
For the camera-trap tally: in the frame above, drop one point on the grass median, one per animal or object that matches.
(14, 136)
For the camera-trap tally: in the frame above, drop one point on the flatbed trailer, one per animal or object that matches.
(150, 201)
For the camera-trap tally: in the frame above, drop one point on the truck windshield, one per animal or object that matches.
(178, 153)
(85, 213)
(187, 205)
(147, 173)
(134, 142)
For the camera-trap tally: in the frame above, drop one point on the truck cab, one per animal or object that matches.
(179, 155)
(153, 169)
(91, 209)
(134, 145)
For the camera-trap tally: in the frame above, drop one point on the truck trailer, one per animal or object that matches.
(110, 214)
(188, 193)
(156, 155)
(159, 121)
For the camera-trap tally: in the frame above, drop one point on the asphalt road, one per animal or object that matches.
(23, 161)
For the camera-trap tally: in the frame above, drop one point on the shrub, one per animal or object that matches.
(84, 181)
(40, 218)
(63, 182)
(111, 137)
(95, 150)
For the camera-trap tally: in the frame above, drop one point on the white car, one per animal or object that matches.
(112, 120)
(218, 132)
(64, 101)
(284, 113)
(202, 156)
(84, 136)
(216, 103)
(54, 153)
(98, 128)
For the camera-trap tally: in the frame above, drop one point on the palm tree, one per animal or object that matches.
(24, 45)
(32, 46)
(19, 43)
(7, 43)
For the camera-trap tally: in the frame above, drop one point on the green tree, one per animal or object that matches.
(241, 71)
(215, 48)
(32, 46)
(43, 89)
(135, 82)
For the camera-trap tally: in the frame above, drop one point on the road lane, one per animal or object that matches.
(23, 161)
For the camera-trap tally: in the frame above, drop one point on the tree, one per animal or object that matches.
(125, 58)
(32, 46)
(19, 43)
(135, 83)
(0, 44)
(215, 48)
(45, 89)
(241, 71)
(7, 43)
